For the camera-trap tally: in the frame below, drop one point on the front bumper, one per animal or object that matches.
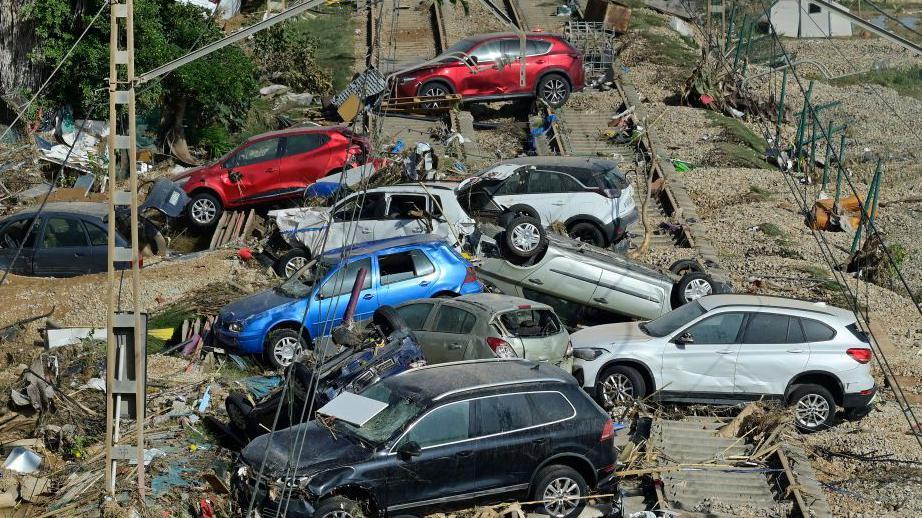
(859, 399)
(264, 504)
(245, 343)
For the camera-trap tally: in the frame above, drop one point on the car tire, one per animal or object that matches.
(588, 233)
(691, 286)
(302, 381)
(204, 210)
(814, 407)
(290, 262)
(619, 381)
(388, 320)
(238, 408)
(554, 89)
(553, 484)
(524, 237)
(339, 507)
(684, 266)
(430, 88)
(519, 209)
(283, 346)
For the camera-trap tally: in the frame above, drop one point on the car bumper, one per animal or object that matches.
(263, 504)
(859, 399)
(238, 342)
(471, 287)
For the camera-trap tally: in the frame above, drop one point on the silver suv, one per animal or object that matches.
(732, 348)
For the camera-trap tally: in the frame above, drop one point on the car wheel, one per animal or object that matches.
(814, 407)
(561, 490)
(683, 266)
(519, 209)
(618, 386)
(691, 287)
(292, 261)
(283, 346)
(524, 237)
(434, 88)
(339, 507)
(588, 233)
(203, 210)
(554, 89)
(238, 408)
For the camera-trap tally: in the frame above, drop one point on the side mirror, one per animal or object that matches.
(408, 450)
(684, 339)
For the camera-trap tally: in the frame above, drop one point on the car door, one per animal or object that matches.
(406, 275)
(99, 244)
(449, 334)
(13, 236)
(254, 171)
(507, 193)
(772, 352)
(444, 470)
(305, 159)
(487, 79)
(565, 278)
(511, 442)
(548, 193)
(513, 57)
(707, 363)
(65, 250)
(353, 220)
(332, 297)
(622, 291)
(407, 215)
(536, 60)
(416, 315)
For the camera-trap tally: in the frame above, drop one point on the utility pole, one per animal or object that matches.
(125, 352)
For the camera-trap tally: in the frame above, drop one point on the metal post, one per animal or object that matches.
(752, 28)
(878, 177)
(739, 46)
(813, 140)
(801, 127)
(828, 157)
(866, 213)
(840, 165)
(729, 33)
(784, 84)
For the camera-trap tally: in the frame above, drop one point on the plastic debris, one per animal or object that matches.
(22, 460)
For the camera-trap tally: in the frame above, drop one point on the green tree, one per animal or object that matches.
(216, 89)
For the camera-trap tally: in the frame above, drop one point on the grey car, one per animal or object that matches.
(582, 282)
(488, 325)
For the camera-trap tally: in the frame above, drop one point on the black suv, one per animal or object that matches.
(441, 437)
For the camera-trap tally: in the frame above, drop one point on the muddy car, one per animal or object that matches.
(581, 282)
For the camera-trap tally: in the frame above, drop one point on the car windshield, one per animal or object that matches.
(673, 320)
(462, 46)
(302, 282)
(613, 180)
(399, 412)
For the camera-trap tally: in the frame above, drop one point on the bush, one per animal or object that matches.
(287, 55)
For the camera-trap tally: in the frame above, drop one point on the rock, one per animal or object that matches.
(273, 90)
(303, 99)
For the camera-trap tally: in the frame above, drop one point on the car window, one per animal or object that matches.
(512, 48)
(341, 282)
(257, 152)
(297, 144)
(550, 406)
(98, 236)
(488, 51)
(415, 315)
(454, 320)
(795, 331)
(11, 236)
(435, 206)
(550, 182)
(403, 265)
(718, 329)
(64, 232)
(530, 323)
(421, 263)
(673, 320)
(406, 206)
(445, 424)
(766, 328)
(505, 413)
(364, 207)
(537, 47)
(817, 331)
(514, 184)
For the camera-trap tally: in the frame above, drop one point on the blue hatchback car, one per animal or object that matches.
(399, 269)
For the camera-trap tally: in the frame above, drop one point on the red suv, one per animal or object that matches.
(553, 69)
(269, 167)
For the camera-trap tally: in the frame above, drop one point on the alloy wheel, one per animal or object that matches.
(555, 91)
(293, 265)
(340, 513)
(697, 288)
(526, 237)
(561, 497)
(285, 350)
(617, 388)
(812, 410)
(203, 211)
(432, 91)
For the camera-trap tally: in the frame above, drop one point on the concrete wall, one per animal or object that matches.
(803, 19)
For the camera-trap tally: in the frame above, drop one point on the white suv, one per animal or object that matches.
(732, 348)
(378, 213)
(590, 197)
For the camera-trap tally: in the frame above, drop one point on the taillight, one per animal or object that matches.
(501, 348)
(471, 275)
(860, 355)
(608, 431)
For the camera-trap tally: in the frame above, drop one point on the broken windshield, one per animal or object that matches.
(400, 411)
(302, 282)
(673, 320)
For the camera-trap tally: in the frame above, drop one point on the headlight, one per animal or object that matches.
(235, 327)
(405, 80)
(588, 354)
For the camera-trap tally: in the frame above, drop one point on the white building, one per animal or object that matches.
(805, 19)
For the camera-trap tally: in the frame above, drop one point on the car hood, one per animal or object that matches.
(319, 450)
(303, 227)
(261, 302)
(608, 334)
(189, 172)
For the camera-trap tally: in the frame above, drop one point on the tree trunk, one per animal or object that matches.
(16, 41)
(173, 133)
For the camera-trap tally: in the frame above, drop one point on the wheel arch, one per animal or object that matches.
(825, 379)
(208, 190)
(445, 293)
(289, 324)
(360, 494)
(640, 366)
(549, 71)
(581, 464)
(437, 79)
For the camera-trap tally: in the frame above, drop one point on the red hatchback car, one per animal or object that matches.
(268, 167)
(553, 69)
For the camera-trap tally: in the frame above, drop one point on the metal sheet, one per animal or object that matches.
(352, 408)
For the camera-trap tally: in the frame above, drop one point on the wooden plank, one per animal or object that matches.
(231, 220)
(793, 485)
(222, 221)
(235, 236)
(248, 227)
